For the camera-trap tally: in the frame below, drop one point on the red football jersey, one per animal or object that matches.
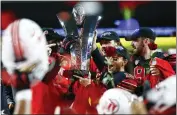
(165, 68)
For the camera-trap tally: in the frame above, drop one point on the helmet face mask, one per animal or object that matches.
(79, 14)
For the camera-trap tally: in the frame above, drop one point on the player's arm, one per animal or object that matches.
(97, 57)
(51, 74)
(99, 60)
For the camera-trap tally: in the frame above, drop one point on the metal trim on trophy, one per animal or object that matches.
(68, 23)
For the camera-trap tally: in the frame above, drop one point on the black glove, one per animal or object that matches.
(67, 43)
(108, 80)
(80, 73)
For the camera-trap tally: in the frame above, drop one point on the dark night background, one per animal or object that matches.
(151, 14)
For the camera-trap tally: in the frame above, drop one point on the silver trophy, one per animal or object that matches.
(89, 22)
(80, 50)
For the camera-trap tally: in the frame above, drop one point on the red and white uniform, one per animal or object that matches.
(24, 45)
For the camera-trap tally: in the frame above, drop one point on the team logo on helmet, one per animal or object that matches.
(113, 106)
(105, 34)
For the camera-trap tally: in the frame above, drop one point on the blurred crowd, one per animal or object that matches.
(37, 75)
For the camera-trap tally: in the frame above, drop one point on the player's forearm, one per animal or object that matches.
(99, 60)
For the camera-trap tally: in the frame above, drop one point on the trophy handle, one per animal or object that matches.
(90, 24)
(68, 23)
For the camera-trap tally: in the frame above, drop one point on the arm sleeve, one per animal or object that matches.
(8, 94)
(118, 77)
(99, 60)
